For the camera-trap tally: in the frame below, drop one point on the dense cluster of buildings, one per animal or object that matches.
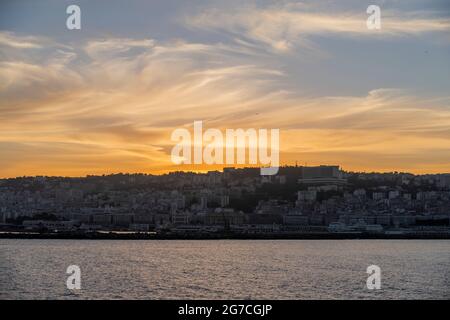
(296, 199)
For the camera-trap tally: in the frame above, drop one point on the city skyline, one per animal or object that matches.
(220, 169)
(297, 201)
(105, 99)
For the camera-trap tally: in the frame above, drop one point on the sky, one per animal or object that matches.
(106, 98)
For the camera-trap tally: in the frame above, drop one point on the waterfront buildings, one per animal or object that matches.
(298, 197)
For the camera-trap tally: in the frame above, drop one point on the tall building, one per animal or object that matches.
(322, 175)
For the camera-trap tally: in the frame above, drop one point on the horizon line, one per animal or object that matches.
(200, 172)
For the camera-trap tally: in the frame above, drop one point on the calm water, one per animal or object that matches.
(228, 269)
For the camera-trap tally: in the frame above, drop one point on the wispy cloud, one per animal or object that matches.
(109, 105)
(126, 104)
(286, 26)
(20, 42)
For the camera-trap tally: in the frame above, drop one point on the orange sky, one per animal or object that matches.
(100, 102)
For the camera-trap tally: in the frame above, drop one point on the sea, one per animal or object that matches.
(224, 269)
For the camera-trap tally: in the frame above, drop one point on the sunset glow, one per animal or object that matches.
(105, 99)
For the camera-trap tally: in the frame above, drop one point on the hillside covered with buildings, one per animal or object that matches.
(298, 199)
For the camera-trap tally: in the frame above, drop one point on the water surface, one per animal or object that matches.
(224, 269)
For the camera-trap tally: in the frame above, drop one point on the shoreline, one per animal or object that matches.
(225, 236)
